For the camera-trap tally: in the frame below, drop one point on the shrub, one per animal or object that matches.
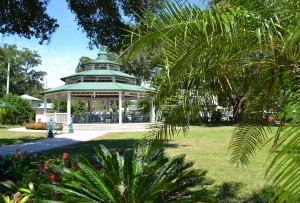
(35, 126)
(29, 125)
(17, 110)
(216, 117)
(40, 126)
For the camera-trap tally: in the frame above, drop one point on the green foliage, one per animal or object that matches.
(21, 196)
(102, 20)
(17, 110)
(77, 107)
(2, 115)
(227, 192)
(23, 174)
(27, 19)
(142, 64)
(242, 48)
(216, 117)
(22, 64)
(82, 60)
(264, 195)
(128, 179)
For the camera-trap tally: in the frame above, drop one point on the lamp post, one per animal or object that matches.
(8, 73)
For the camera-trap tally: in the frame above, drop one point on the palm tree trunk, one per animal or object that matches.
(238, 104)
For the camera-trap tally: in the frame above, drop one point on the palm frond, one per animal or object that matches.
(284, 170)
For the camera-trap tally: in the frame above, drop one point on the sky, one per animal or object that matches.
(68, 44)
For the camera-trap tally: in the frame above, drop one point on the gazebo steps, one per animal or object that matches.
(111, 126)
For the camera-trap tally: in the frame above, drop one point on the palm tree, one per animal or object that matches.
(205, 49)
(154, 178)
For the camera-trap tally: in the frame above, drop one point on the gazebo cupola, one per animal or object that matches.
(101, 70)
(101, 80)
(102, 63)
(102, 55)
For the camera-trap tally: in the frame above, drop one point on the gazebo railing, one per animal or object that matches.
(57, 117)
(109, 118)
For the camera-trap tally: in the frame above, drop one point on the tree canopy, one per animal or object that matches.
(105, 22)
(23, 77)
(27, 18)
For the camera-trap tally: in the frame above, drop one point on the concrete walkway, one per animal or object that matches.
(59, 140)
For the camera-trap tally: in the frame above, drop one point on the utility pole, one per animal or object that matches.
(8, 73)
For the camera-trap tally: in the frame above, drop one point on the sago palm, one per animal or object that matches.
(128, 179)
(215, 50)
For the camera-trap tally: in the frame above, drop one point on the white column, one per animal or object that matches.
(55, 117)
(152, 112)
(120, 107)
(58, 106)
(69, 106)
(45, 108)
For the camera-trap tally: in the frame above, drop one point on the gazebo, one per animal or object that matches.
(101, 80)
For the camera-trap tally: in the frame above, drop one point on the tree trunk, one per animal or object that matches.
(238, 104)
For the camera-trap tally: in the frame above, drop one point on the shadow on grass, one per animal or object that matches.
(86, 149)
(218, 124)
(5, 142)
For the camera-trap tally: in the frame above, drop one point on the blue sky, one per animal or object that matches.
(67, 45)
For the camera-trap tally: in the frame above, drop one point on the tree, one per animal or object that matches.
(82, 60)
(103, 21)
(27, 19)
(17, 110)
(143, 63)
(207, 47)
(22, 64)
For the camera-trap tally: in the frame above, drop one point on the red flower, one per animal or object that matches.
(42, 167)
(65, 155)
(51, 177)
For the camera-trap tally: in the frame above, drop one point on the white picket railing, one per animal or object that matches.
(56, 117)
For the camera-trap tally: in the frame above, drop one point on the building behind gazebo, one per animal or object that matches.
(102, 80)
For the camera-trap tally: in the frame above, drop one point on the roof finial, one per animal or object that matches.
(102, 54)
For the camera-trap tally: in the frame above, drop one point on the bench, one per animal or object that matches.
(56, 126)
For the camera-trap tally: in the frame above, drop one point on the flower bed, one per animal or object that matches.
(35, 126)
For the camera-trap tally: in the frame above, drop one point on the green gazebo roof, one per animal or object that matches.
(100, 73)
(96, 86)
(102, 61)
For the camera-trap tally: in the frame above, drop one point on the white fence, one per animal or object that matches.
(56, 117)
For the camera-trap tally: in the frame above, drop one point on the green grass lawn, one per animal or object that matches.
(207, 147)
(12, 137)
